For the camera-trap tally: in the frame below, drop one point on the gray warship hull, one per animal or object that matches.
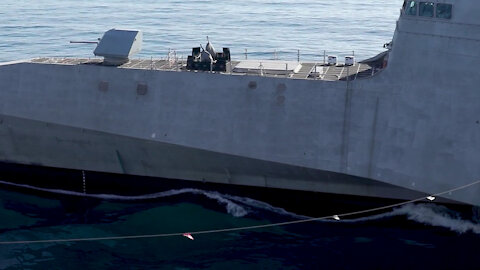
(410, 129)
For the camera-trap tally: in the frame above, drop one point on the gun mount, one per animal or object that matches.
(208, 59)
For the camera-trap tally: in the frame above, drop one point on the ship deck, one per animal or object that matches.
(307, 70)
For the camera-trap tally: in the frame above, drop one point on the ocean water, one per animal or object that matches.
(416, 236)
(409, 237)
(44, 28)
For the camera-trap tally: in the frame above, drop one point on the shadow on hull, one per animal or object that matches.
(67, 184)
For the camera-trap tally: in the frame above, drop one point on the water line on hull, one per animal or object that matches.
(337, 217)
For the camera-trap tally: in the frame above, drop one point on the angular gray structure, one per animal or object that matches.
(117, 46)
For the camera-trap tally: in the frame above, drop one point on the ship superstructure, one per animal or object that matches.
(398, 125)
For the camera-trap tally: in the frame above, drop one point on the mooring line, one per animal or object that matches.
(189, 234)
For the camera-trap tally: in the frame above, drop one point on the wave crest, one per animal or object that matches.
(429, 214)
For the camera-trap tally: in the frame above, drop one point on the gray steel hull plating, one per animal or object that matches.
(413, 126)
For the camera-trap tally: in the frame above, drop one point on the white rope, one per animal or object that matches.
(143, 236)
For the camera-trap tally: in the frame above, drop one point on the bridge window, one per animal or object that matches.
(444, 11)
(426, 9)
(411, 8)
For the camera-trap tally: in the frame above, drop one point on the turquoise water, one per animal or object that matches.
(410, 237)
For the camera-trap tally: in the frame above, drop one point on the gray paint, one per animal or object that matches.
(413, 126)
(117, 46)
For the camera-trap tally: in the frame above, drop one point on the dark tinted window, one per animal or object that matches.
(426, 9)
(444, 11)
(411, 8)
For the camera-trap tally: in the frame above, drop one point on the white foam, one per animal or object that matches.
(231, 207)
(435, 215)
(264, 206)
(228, 200)
(430, 214)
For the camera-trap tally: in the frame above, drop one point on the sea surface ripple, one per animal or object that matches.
(44, 28)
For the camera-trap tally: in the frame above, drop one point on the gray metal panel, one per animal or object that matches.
(415, 125)
(78, 148)
(118, 43)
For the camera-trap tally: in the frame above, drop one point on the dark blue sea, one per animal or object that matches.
(413, 236)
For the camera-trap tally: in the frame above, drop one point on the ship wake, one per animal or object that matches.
(428, 214)
(234, 205)
(439, 216)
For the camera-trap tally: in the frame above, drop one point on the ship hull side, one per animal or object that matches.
(382, 128)
(47, 145)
